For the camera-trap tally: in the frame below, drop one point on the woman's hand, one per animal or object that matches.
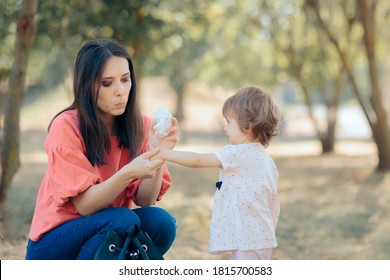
(101, 195)
(169, 141)
(143, 166)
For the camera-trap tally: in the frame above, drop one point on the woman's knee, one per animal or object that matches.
(157, 218)
(166, 222)
(118, 218)
(159, 224)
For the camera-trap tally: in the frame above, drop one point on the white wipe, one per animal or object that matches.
(163, 120)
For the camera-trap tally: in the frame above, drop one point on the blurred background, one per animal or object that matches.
(326, 63)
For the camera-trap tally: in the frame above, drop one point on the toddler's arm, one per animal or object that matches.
(189, 159)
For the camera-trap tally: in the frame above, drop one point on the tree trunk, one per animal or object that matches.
(376, 114)
(178, 81)
(382, 130)
(179, 112)
(329, 138)
(10, 160)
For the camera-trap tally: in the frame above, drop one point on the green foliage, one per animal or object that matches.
(222, 42)
(8, 15)
(63, 26)
(182, 41)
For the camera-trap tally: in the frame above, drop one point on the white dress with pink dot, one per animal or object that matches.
(246, 204)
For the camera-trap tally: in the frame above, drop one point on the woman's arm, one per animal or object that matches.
(150, 188)
(99, 196)
(189, 159)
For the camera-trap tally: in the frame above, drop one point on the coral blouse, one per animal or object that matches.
(70, 173)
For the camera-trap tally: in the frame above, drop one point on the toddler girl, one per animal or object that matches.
(246, 205)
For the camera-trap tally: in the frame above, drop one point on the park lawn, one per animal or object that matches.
(332, 207)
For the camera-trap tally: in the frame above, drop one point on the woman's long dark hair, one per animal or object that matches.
(88, 70)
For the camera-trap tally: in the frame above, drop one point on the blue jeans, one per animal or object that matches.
(81, 237)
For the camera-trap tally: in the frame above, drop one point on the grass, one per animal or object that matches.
(332, 207)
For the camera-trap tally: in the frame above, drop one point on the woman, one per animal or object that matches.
(99, 163)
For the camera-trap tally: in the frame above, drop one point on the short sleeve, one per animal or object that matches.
(69, 170)
(69, 174)
(228, 157)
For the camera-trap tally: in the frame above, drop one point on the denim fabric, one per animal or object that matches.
(80, 238)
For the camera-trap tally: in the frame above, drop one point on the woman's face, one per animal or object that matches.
(114, 88)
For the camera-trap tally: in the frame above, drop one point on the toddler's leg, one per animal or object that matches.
(260, 254)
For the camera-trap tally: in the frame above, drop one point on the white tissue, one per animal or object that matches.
(163, 120)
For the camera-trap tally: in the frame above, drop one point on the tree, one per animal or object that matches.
(7, 18)
(10, 160)
(182, 43)
(299, 50)
(65, 25)
(373, 106)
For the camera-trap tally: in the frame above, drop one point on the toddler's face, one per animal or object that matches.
(234, 133)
